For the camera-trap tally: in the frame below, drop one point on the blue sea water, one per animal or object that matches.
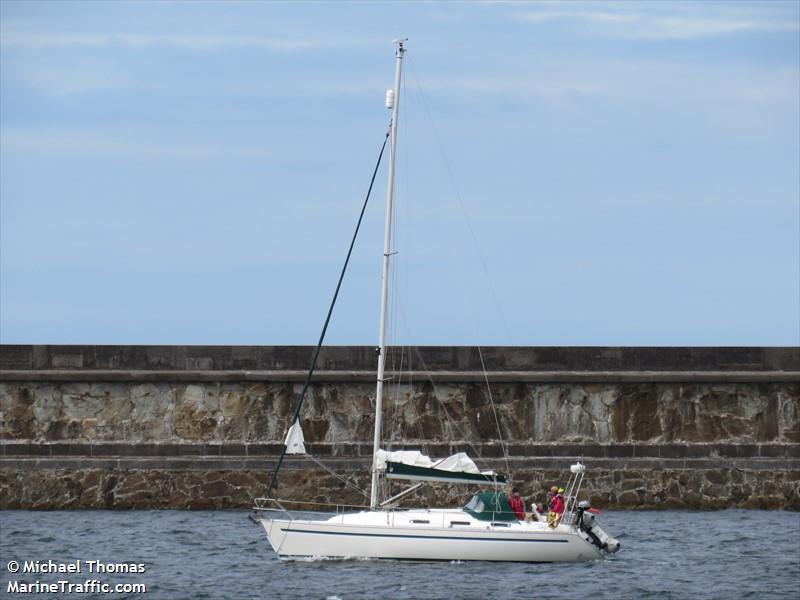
(665, 554)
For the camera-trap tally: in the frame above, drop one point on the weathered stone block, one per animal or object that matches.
(719, 477)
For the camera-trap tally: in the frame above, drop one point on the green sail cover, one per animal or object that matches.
(490, 506)
(396, 470)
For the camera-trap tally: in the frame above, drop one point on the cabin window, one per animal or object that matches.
(454, 523)
(420, 521)
(475, 504)
(501, 525)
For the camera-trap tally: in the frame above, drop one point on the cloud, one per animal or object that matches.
(196, 43)
(641, 21)
(77, 77)
(633, 79)
(550, 15)
(517, 86)
(124, 144)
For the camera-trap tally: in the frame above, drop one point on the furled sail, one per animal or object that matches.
(294, 439)
(413, 465)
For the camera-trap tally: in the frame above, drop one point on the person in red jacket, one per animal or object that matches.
(556, 506)
(557, 503)
(517, 504)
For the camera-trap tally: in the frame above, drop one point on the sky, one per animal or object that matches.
(598, 174)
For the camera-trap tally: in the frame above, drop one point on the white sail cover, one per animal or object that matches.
(457, 463)
(294, 439)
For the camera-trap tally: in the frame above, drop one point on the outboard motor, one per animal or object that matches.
(587, 522)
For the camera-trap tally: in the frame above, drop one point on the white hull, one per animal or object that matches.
(394, 535)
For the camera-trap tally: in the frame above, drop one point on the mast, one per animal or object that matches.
(393, 102)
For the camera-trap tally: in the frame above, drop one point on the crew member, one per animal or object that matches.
(556, 506)
(517, 504)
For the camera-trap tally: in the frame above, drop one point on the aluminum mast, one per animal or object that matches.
(393, 102)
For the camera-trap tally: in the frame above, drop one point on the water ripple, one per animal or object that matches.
(665, 555)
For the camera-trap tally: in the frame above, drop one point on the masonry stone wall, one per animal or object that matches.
(198, 427)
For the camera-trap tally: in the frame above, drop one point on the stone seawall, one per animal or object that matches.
(199, 427)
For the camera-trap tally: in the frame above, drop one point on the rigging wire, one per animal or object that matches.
(400, 209)
(392, 424)
(454, 426)
(328, 317)
(461, 202)
(494, 411)
(480, 256)
(344, 480)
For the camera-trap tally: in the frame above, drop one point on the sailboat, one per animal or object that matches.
(485, 529)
